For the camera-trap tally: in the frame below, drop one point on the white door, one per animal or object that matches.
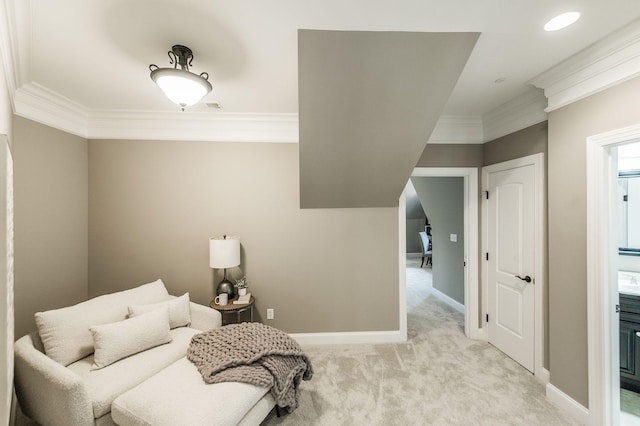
(511, 262)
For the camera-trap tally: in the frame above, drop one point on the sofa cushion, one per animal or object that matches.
(106, 384)
(179, 311)
(123, 338)
(65, 332)
(154, 401)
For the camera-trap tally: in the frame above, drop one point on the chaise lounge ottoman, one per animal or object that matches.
(178, 396)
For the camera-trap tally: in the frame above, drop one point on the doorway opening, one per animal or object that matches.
(435, 241)
(602, 274)
(419, 249)
(627, 205)
(470, 236)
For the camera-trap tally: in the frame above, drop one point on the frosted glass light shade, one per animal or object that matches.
(180, 86)
(224, 253)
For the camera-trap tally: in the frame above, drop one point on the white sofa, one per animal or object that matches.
(85, 356)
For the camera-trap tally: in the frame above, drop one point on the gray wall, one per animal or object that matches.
(531, 140)
(51, 220)
(569, 127)
(368, 101)
(443, 199)
(154, 204)
(445, 155)
(413, 227)
(416, 220)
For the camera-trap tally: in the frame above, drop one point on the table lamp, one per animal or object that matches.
(224, 252)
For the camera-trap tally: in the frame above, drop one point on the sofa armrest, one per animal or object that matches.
(48, 392)
(204, 318)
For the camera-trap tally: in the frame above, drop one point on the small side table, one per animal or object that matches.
(230, 308)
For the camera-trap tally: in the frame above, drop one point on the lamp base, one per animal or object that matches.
(225, 286)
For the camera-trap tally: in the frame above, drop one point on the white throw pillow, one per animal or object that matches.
(123, 338)
(179, 311)
(65, 332)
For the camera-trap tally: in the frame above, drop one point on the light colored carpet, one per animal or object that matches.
(439, 377)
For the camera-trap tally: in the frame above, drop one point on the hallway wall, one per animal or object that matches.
(443, 201)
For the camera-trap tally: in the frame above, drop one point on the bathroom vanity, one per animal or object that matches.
(629, 289)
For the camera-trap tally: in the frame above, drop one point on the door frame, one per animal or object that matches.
(603, 326)
(537, 161)
(472, 329)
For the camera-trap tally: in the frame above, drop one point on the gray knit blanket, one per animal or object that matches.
(253, 353)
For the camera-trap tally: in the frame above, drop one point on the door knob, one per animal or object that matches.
(526, 279)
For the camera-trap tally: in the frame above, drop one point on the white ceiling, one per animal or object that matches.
(97, 53)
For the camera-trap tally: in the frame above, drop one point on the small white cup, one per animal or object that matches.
(221, 299)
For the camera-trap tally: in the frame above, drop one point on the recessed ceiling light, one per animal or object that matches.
(562, 21)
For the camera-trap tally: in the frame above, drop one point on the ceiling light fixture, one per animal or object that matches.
(179, 84)
(562, 21)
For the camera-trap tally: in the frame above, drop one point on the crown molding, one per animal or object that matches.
(45, 106)
(14, 38)
(193, 126)
(452, 129)
(610, 61)
(40, 104)
(517, 114)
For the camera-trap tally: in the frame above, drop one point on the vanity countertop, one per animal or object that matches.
(629, 282)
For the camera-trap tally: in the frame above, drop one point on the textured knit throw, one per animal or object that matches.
(253, 353)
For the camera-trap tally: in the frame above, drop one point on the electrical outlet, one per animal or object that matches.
(270, 313)
(453, 238)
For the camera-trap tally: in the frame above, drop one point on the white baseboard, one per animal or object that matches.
(348, 337)
(543, 376)
(448, 300)
(567, 404)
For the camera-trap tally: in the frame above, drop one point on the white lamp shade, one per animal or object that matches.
(224, 253)
(181, 87)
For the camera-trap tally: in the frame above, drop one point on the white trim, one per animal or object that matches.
(13, 16)
(402, 264)
(516, 114)
(448, 300)
(545, 376)
(603, 326)
(451, 129)
(471, 232)
(40, 104)
(563, 401)
(37, 103)
(44, 106)
(537, 160)
(610, 61)
(194, 126)
(356, 337)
